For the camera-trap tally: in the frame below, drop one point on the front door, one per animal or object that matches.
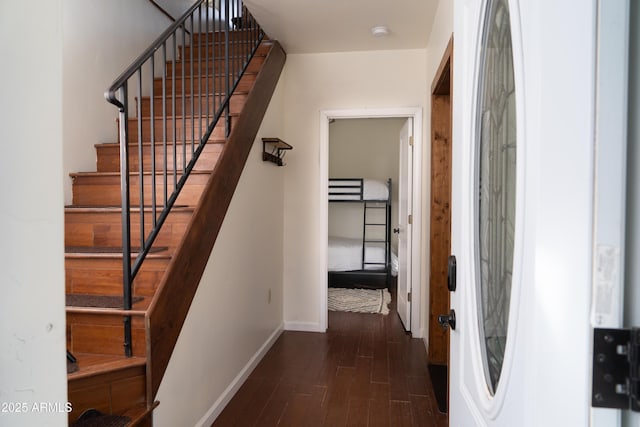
(523, 212)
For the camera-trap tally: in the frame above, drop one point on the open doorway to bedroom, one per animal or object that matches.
(364, 176)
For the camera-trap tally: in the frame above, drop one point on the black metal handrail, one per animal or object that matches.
(193, 91)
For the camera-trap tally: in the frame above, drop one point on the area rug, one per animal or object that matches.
(359, 300)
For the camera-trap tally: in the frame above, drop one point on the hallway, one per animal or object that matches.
(365, 371)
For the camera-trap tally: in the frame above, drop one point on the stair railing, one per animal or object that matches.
(183, 81)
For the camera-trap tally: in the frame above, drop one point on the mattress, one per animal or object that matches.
(371, 189)
(345, 254)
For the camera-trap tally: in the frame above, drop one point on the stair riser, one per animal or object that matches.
(211, 84)
(103, 276)
(238, 49)
(103, 334)
(209, 68)
(105, 190)
(108, 157)
(109, 392)
(191, 104)
(180, 123)
(105, 229)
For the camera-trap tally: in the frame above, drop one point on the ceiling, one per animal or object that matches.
(313, 26)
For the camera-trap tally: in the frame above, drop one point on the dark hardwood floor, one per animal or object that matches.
(365, 371)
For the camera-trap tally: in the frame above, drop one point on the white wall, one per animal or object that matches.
(315, 82)
(231, 318)
(100, 41)
(32, 319)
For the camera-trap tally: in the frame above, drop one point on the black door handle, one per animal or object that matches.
(448, 320)
(396, 230)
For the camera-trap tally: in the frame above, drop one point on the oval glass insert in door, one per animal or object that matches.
(496, 186)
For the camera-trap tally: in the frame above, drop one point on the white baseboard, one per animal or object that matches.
(304, 327)
(419, 333)
(215, 410)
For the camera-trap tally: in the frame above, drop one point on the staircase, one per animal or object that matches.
(121, 386)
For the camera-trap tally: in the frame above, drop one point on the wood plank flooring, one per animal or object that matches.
(365, 371)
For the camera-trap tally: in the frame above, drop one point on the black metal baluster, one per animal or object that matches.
(126, 216)
(193, 114)
(165, 137)
(227, 53)
(173, 113)
(140, 158)
(152, 142)
(184, 103)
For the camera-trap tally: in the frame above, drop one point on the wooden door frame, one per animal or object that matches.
(440, 205)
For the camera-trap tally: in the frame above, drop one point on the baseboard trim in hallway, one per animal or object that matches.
(304, 327)
(215, 410)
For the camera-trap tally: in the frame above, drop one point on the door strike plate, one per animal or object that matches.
(616, 369)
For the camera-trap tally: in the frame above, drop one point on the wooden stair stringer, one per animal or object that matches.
(176, 291)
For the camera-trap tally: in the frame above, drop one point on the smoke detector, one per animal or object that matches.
(380, 31)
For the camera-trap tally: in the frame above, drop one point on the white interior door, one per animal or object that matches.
(404, 226)
(523, 212)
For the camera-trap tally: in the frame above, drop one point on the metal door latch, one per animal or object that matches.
(616, 369)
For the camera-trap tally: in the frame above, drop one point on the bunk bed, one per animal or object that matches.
(365, 261)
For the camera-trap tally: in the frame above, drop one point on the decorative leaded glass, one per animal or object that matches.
(496, 180)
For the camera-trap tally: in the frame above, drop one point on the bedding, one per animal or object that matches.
(345, 254)
(371, 190)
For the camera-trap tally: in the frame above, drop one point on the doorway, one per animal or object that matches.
(413, 274)
(440, 225)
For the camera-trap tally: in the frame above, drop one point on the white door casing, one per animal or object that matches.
(610, 177)
(632, 245)
(404, 227)
(545, 378)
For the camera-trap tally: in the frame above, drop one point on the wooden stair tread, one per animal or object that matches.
(157, 144)
(117, 174)
(181, 118)
(188, 95)
(105, 304)
(138, 413)
(118, 209)
(108, 250)
(94, 364)
(115, 255)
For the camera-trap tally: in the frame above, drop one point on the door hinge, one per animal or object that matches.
(616, 369)
(411, 141)
(410, 219)
(409, 297)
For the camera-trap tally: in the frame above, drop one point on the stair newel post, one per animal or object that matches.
(126, 215)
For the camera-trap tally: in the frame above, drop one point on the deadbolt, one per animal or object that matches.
(451, 273)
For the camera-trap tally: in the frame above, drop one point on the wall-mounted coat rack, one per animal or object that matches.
(276, 152)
